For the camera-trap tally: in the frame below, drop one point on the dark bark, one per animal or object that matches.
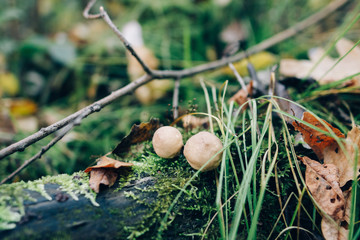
(65, 218)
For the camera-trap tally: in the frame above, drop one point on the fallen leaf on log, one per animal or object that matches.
(138, 133)
(105, 172)
(348, 66)
(318, 141)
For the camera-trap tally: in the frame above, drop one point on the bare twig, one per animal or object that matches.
(175, 74)
(176, 99)
(103, 14)
(238, 77)
(86, 13)
(95, 107)
(44, 149)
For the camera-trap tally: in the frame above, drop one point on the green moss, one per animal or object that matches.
(12, 196)
(171, 175)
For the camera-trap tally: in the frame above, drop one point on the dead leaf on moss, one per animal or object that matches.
(105, 172)
(323, 183)
(242, 96)
(348, 66)
(316, 140)
(138, 133)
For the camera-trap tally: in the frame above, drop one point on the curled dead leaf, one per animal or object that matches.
(138, 133)
(318, 141)
(105, 172)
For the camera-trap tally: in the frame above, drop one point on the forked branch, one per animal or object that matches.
(156, 74)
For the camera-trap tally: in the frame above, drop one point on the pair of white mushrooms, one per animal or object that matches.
(198, 150)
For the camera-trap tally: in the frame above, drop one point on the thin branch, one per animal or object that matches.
(86, 13)
(176, 99)
(97, 106)
(238, 77)
(44, 149)
(103, 14)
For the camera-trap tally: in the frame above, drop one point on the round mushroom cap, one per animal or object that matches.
(167, 142)
(200, 148)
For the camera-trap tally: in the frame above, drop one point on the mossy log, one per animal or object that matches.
(117, 213)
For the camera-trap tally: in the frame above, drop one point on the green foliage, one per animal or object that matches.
(59, 72)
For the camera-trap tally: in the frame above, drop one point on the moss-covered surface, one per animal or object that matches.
(132, 208)
(135, 206)
(14, 196)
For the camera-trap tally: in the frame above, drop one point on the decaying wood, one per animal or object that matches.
(65, 218)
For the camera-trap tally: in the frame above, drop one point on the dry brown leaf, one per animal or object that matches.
(316, 140)
(102, 176)
(348, 66)
(138, 133)
(324, 180)
(105, 172)
(335, 155)
(190, 122)
(242, 96)
(333, 230)
(323, 183)
(347, 196)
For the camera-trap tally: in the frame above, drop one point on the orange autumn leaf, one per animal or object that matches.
(105, 172)
(318, 141)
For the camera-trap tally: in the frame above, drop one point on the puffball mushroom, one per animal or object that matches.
(167, 142)
(200, 148)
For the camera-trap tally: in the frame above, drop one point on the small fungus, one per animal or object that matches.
(167, 142)
(200, 148)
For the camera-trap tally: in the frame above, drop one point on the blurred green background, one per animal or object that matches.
(54, 62)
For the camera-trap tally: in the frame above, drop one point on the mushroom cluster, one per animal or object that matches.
(201, 149)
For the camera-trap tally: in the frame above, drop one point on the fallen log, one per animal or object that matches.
(118, 215)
